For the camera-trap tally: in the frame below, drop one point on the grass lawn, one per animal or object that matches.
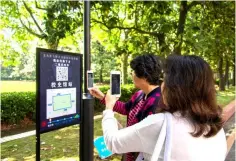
(225, 97)
(18, 86)
(21, 86)
(57, 145)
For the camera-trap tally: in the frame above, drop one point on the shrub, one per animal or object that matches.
(106, 80)
(15, 106)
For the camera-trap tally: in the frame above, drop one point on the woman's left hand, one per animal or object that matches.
(110, 100)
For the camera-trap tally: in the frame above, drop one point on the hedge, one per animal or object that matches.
(15, 106)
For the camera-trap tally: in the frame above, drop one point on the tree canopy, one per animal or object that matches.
(121, 30)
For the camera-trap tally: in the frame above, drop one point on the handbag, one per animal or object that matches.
(165, 136)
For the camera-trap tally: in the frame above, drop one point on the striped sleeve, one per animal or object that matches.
(120, 107)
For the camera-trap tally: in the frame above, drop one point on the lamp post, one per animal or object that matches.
(87, 110)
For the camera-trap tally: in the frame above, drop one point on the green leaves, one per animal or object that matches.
(16, 106)
(122, 28)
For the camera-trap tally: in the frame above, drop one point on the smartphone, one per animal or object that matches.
(89, 79)
(115, 83)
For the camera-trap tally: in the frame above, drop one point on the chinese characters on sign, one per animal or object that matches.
(61, 84)
(62, 63)
(58, 89)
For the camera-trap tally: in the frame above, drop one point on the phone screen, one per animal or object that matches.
(90, 80)
(115, 89)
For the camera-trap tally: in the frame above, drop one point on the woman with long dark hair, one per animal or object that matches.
(190, 123)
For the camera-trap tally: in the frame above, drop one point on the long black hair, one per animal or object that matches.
(189, 89)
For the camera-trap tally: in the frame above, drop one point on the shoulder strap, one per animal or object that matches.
(168, 143)
(164, 136)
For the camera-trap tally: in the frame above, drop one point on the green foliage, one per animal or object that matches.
(6, 72)
(16, 106)
(106, 80)
(25, 69)
(102, 62)
(123, 30)
(8, 55)
(60, 19)
(47, 20)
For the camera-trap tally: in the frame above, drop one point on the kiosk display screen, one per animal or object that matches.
(59, 95)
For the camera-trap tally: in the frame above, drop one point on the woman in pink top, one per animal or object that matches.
(146, 77)
(195, 130)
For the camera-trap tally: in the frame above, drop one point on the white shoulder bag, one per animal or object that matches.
(165, 136)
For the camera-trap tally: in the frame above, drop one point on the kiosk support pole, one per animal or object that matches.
(87, 110)
(86, 42)
(37, 112)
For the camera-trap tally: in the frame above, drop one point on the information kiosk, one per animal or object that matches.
(59, 91)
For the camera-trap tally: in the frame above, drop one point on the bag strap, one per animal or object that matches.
(160, 141)
(164, 136)
(168, 143)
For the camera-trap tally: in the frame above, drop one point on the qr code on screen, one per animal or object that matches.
(62, 74)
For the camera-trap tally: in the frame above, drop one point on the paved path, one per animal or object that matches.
(231, 154)
(29, 133)
(229, 127)
(18, 136)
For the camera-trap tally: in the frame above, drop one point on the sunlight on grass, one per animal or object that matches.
(225, 97)
(29, 158)
(9, 159)
(58, 145)
(57, 137)
(18, 86)
(66, 159)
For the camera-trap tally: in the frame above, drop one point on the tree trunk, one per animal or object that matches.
(227, 73)
(163, 47)
(222, 79)
(53, 45)
(233, 83)
(181, 24)
(100, 74)
(125, 67)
